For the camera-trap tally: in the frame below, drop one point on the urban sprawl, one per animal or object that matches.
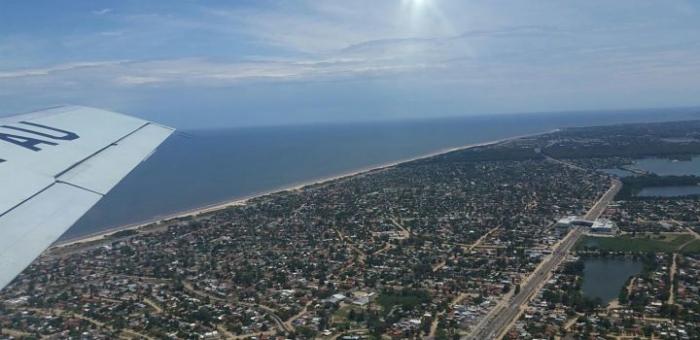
(482, 243)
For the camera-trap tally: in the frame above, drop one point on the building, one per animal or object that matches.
(572, 221)
(602, 226)
(565, 222)
(336, 298)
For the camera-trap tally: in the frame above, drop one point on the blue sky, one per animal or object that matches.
(194, 64)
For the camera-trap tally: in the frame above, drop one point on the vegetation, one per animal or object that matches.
(124, 233)
(692, 247)
(574, 268)
(629, 140)
(635, 149)
(407, 299)
(634, 184)
(484, 154)
(640, 243)
(623, 297)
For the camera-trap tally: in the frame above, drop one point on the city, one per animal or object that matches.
(349, 170)
(437, 247)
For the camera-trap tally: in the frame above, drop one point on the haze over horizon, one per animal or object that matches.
(198, 65)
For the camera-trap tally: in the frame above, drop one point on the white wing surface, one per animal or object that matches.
(54, 166)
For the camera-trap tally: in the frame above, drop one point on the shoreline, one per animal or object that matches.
(239, 201)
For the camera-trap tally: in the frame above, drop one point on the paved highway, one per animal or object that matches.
(604, 201)
(495, 324)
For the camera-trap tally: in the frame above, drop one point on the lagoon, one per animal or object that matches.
(604, 277)
(670, 167)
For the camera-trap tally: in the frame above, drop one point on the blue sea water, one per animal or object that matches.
(197, 168)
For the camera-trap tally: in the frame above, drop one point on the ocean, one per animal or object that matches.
(201, 167)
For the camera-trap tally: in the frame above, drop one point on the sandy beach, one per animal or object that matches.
(296, 186)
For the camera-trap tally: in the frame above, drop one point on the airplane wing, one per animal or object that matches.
(54, 166)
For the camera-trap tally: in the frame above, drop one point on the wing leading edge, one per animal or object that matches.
(54, 166)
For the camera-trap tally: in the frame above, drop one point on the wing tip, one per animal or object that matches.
(63, 108)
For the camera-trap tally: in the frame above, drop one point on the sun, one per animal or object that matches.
(416, 3)
(415, 7)
(423, 17)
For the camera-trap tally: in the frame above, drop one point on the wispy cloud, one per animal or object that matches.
(102, 11)
(46, 71)
(342, 40)
(490, 54)
(487, 64)
(203, 72)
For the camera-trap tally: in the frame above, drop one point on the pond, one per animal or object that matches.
(670, 191)
(670, 167)
(604, 277)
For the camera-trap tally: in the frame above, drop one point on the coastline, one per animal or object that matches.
(239, 201)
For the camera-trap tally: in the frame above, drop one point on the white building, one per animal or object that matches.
(565, 222)
(570, 221)
(603, 226)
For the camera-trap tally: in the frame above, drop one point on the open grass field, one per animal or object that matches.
(684, 243)
(693, 247)
(408, 299)
(341, 315)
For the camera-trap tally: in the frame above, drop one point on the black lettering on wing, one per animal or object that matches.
(25, 142)
(64, 135)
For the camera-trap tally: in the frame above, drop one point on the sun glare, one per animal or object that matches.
(415, 4)
(424, 17)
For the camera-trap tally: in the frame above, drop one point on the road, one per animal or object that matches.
(604, 201)
(494, 323)
(497, 322)
(672, 274)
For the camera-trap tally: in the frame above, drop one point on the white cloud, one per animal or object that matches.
(137, 80)
(45, 71)
(324, 26)
(102, 11)
(508, 49)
